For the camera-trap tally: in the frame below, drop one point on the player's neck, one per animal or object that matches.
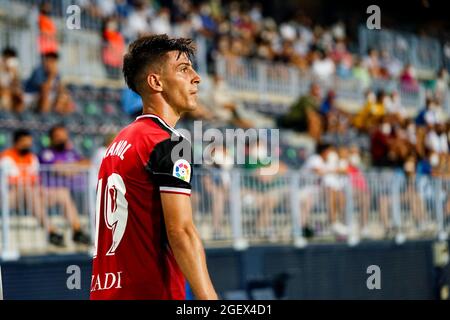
(168, 115)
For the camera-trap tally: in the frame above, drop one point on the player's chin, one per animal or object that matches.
(191, 106)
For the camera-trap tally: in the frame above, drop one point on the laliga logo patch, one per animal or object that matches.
(182, 170)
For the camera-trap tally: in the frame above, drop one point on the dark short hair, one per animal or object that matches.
(9, 52)
(322, 146)
(50, 55)
(52, 130)
(151, 50)
(19, 134)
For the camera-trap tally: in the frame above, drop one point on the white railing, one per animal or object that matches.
(268, 80)
(238, 208)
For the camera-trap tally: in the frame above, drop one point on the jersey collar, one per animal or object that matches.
(154, 116)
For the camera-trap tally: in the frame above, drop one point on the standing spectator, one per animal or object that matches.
(11, 95)
(48, 37)
(22, 169)
(45, 89)
(113, 48)
(62, 180)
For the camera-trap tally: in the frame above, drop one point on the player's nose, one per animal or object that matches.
(196, 78)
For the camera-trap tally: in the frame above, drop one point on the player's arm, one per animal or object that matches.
(186, 244)
(172, 173)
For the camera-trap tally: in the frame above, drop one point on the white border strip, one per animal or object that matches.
(180, 190)
(1, 286)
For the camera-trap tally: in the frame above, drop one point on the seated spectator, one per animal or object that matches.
(48, 37)
(22, 169)
(217, 186)
(334, 119)
(380, 143)
(11, 95)
(263, 190)
(408, 79)
(304, 114)
(437, 140)
(45, 89)
(372, 63)
(442, 81)
(113, 48)
(394, 106)
(219, 104)
(360, 73)
(322, 67)
(372, 111)
(390, 66)
(61, 180)
(324, 164)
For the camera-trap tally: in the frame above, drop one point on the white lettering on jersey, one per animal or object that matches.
(106, 281)
(118, 149)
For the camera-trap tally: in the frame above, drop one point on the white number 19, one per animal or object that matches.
(115, 210)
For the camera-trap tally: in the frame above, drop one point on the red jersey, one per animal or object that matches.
(132, 256)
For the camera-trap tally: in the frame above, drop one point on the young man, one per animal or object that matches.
(146, 241)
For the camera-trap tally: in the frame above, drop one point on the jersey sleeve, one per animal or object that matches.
(170, 166)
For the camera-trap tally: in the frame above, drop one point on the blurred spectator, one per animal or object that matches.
(160, 24)
(437, 140)
(11, 94)
(372, 63)
(361, 74)
(25, 193)
(304, 113)
(48, 37)
(431, 114)
(113, 48)
(408, 79)
(381, 140)
(360, 187)
(131, 102)
(63, 179)
(97, 158)
(217, 185)
(391, 67)
(324, 164)
(372, 111)
(45, 89)
(263, 190)
(334, 120)
(441, 87)
(137, 23)
(394, 106)
(220, 104)
(322, 66)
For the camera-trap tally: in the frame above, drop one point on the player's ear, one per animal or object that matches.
(154, 82)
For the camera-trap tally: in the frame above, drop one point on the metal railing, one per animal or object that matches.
(425, 53)
(238, 207)
(267, 80)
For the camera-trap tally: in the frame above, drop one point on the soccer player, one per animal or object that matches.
(146, 242)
